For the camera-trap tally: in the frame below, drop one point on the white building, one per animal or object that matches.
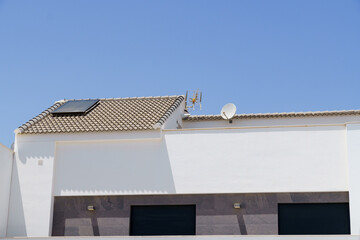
(6, 157)
(141, 166)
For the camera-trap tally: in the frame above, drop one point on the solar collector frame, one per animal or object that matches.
(76, 107)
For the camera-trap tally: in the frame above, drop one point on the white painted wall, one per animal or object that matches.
(274, 159)
(31, 190)
(113, 168)
(294, 159)
(300, 159)
(5, 179)
(175, 121)
(353, 153)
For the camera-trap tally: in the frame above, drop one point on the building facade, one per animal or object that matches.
(6, 158)
(143, 166)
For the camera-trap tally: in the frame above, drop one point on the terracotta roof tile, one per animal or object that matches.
(274, 115)
(116, 114)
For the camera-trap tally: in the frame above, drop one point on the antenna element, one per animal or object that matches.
(194, 100)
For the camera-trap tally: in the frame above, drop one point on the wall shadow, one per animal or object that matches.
(16, 221)
(110, 168)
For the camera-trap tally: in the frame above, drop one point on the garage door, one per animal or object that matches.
(162, 220)
(314, 218)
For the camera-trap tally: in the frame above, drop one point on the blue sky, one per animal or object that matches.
(262, 55)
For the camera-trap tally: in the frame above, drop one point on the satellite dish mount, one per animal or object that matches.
(228, 111)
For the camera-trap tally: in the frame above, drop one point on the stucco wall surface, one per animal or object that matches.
(294, 159)
(5, 178)
(353, 143)
(31, 189)
(175, 120)
(109, 168)
(32, 186)
(178, 161)
(306, 159)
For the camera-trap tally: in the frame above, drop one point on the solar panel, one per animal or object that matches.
(76, 106)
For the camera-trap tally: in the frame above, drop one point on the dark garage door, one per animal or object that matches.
(314, 218)
(162, 220)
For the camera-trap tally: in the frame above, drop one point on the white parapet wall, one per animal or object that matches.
(292, 159)
(5, 179)
(258, 160)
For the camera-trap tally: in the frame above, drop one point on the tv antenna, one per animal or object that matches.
(194, 100)
(228, 111)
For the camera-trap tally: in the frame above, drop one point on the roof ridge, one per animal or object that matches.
(125, 98)
(168, 113)
(144, 97)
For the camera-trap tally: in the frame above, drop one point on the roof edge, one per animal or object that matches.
(34, 120)
(170, 111)
(178, 99)
(275, 115)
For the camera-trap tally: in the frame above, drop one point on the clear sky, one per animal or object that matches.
(262, 55)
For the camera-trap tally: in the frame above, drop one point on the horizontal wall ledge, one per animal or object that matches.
(217, 237)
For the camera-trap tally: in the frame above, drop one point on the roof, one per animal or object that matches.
(275, 115)
(115, 114)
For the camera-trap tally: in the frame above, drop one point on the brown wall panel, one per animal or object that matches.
(215, 213)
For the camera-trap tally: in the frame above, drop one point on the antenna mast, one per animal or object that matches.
(194, 101)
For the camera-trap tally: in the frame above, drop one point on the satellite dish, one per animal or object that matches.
(228, 111)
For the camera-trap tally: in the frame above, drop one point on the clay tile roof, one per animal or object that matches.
(275, 115)
(116, 114)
